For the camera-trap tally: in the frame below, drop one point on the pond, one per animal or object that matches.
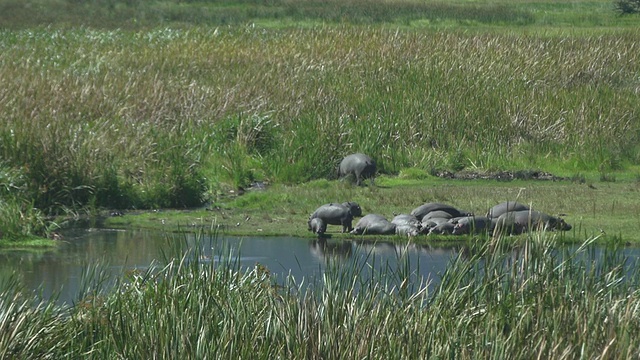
(60, 272)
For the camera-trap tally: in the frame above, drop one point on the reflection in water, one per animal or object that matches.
(61, 270)
(331, 250)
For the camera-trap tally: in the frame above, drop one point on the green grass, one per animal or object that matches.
(494, 300)
(468, 14)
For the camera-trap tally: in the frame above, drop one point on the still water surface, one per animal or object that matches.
(60, 271)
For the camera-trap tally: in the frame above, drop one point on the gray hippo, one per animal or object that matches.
(354, 207)
(504, 207)
(406, 219)
(518, 222)
(428, 224)
(424, 209)
(407, 230)
(334, 214)
(472, 225)
(317, 226)
(438, 214)
(359, 165)
(445, 228)
(374, 224)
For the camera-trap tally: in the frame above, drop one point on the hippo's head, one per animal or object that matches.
(460, 228)
(559, 224)
(354, 208)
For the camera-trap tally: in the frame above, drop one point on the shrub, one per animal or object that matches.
(627, 6)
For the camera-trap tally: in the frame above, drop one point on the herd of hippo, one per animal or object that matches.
(507, 218)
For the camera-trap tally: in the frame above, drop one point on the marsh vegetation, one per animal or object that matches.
(172, 115)
(173, 104)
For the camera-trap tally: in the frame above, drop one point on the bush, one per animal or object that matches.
(627, 6)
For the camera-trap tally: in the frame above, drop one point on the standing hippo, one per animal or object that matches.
(423, 210)
(374, 224)
(472, 225)
(317, 226)
(518, 222)
(334, 214)
(354, 207)
(359, 165)
(504, 207)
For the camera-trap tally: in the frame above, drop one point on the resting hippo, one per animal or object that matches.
(359, 165)
(354, 207)
(438, 214)
(334, 214)
(407, 230)
(445, 228)
(518, 222)
(423, 210)
(317, 226)
(374, 224)
(504, 207)
(428, 224)
(472, 225)
(406, 219)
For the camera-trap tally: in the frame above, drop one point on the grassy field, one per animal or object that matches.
(135, 107)
(137, 14)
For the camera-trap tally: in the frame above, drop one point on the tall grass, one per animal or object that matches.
(138, 14)
(167, 117)
(492, 300)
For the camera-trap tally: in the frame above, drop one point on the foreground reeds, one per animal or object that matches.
(528, 301)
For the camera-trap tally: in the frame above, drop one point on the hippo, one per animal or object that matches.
(504, 207)
(428, 224)
(424, 209)
(407, 230)
(406, 219)
(334, 214)
(359, 165)
(445, 228)
(374, 224)
(518, 222)
(438, 214)
(354, 207)
(317, 226)
(472, 225)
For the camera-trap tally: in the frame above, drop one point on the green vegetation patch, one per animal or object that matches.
(606, 210)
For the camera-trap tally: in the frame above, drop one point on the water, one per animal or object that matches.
(60, 271)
